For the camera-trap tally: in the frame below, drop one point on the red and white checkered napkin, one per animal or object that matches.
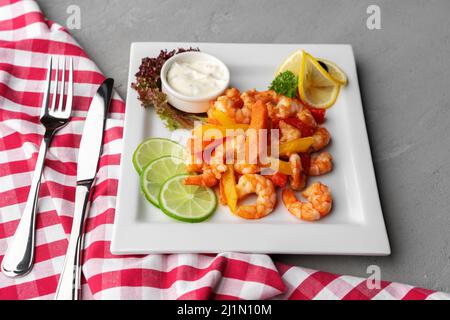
(27, 40)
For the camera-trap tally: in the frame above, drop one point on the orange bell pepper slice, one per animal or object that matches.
(260, 116)
(260, 121)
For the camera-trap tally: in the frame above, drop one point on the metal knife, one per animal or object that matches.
(69, 286)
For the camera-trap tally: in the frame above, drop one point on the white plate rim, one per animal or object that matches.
(368, 238)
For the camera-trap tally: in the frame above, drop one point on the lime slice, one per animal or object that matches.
(187, 203)
(156, 173)
(155, 148)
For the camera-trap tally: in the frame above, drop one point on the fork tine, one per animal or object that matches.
(61, 96)
(44, 108)
(68, 109)
(55, 88)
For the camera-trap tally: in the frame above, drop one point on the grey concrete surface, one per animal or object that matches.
(404, 76)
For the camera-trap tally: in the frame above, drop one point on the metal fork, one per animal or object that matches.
(19, 258)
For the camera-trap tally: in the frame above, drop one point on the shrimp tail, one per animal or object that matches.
(298, 178)
(288, 197)
(249, 212)
(204, 180)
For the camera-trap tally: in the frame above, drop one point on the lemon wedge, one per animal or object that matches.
(315, 85)
(292, 63)
(335, 72)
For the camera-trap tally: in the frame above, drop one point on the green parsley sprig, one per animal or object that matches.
(286, 83)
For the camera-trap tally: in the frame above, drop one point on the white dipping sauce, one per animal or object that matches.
(196, 77)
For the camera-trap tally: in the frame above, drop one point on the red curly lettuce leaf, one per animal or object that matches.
(148, 87)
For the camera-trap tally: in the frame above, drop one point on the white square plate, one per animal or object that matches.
(355, 226)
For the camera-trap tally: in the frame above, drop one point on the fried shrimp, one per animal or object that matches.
(194, 162)
(249, 98)
(250, 126)
(318, 206)
(245, 168)
(298, 177)
(210, 173)
(217, 163)
(206, 179)
(288, 132)
(282, 107)
(305, 116)
(319, 196)
(321, 164)
(279, 106)
(229, 101)
(265, 192)
(252, 96)
(232, 104)
(321, 139)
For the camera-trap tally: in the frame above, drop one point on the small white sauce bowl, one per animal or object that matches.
(191, 104)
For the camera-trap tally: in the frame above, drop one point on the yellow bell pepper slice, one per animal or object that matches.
(296, 146)
(209, 132)
(281, 166)
(226, 121)
(229, 186)
(212, 131)
(222, 195)
(222, 117)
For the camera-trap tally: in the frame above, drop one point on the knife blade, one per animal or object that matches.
(69, 285)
